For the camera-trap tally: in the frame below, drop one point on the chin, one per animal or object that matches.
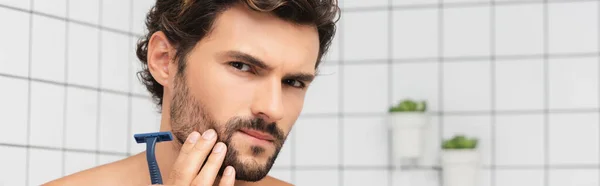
(250, 165)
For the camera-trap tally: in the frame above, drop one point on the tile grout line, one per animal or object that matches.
(493, 91)
(341, 109)
(62, 149)
(546, 94)
(66, 91)
(27, 150)
(440, 23)
(129, 96)
(83, 23)
(462, 59)
(73, 85)
(99, 81)
(456, 5)
(598, 78)
(390, 45)
(467, 113)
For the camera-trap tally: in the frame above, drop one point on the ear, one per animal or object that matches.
(160, 56)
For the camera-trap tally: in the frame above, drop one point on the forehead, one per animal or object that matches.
(279, 43)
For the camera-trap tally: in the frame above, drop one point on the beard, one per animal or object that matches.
(188, 114)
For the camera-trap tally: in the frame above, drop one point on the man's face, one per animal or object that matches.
(246, 79)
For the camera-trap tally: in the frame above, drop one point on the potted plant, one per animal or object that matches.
(460, 161)
(408, 121)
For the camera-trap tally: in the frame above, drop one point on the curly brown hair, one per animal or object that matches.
(185, 22)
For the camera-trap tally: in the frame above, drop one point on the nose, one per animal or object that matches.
(268, 101)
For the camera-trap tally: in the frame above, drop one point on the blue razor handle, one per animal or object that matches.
(151, 139)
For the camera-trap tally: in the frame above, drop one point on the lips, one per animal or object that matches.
(258, 134)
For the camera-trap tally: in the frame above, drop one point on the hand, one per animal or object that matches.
(193, 153)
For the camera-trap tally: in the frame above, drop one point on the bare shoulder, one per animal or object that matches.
(270, 181)
(109, 174)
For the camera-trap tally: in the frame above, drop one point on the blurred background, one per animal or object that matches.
(521, 76)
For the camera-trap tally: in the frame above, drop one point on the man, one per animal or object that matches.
(231, 78)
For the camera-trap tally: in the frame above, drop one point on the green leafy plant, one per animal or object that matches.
(409, 105)
(460, 142)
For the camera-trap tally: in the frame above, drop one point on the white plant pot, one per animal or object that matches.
(461, 167)
(408, 134)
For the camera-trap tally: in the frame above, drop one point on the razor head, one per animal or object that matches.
(160, 136)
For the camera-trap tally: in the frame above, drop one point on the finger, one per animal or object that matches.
(188, 162)
(186, 149)
(211, 168)
(228, 178)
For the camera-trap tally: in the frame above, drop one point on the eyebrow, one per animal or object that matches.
(305, 77)
(248, 58)
(301, 76)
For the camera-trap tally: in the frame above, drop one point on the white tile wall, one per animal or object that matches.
(356, 46)
(113, 131)
(316, 177)
(413, 2)
(81, 119)
(15, 103)
(519, 84)
(573, 83)
(460, 92)
(415, 33)
(519, 29)
(363, 4)
(48, 49)
(519, 140)
(466, 31)
(47, 115)
(310, 139)
(54, 8)
(26, 5)
(466, 86)
(13, 170)
(116, 14)
(135, 65)
(139, 10)
(573, 27)
(357, 177)
(82, 68)
(357, 86)
(78, 161)
(44, 165)
(519, 177)
(579, 177)
(359, 135)
(464, 1)
(323, 92)
(114, 69)
(14, 57)
(415, 177)
(284, 158)
(405, 75)
(573, 139)
(87, 11)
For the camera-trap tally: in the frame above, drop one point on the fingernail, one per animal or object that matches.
(193, 137)
(228, 171)
(209, 134)
(219, 147)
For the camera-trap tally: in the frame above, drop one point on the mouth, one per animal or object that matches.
(258, 135)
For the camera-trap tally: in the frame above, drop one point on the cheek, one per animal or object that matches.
(230, 95)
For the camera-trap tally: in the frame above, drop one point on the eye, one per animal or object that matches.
(294, 83)
(241, 66)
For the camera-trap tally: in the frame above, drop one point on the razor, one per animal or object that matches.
(151, 139)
